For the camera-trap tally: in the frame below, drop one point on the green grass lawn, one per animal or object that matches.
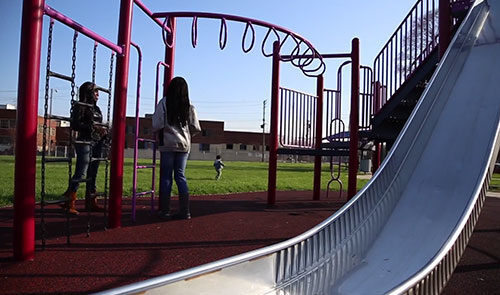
(236, 177)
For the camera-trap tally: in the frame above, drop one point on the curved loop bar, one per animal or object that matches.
(223, 36)
(249, 25)
(318, 71)
(304, 62)
(194, 31)
(164, 33)
(293, 50)
(321, 62)
(248, 45)
(265, 41)
(293, 54)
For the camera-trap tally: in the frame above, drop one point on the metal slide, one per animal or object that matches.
(405, 231)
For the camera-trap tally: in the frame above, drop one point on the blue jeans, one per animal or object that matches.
(85, 167)
(172, 163)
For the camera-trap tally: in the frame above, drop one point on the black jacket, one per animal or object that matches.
(83, 119)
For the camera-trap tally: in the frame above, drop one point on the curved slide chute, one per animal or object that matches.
(405, 231)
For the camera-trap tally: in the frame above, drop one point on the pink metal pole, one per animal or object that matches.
(169, 72)
(150, 14)
(119, 115)
(319, 135)
(136, 139)
(376, 109)
(273, 142)
(169, 55)
(354, 121)
(26, 130)
(445, 25)
(78, 27)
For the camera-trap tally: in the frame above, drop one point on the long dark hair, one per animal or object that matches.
(86, 93)
(178, 102)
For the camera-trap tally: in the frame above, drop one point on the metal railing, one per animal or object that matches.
(297, 124)
(408, 47)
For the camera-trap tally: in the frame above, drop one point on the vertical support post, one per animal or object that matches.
(354, 121)
(119, 115)
(376, 109)
(169, 55)
(167, 77)
(26, 130)
(445, 26)
(319, 136)
(273, 142)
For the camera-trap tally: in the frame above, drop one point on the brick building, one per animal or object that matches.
(8, 132)
(211, 141)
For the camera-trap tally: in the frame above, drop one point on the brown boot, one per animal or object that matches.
(91, 203)
(71, 203)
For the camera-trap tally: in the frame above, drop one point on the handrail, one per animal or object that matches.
(301, 46)
(413, 41)
(407, 48)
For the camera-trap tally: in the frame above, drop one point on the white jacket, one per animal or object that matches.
(175, 138)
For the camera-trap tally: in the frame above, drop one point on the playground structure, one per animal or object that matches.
(318, 259)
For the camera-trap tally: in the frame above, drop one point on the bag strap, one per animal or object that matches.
(165, 113)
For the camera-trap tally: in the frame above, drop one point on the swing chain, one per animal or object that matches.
(108, 140)
(110, 85)
(42, 182)
(94, 61)
(73, 66)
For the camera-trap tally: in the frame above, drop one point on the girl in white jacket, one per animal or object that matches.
(174, 121)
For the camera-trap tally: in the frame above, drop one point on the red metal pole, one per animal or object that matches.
(26, 130)
(445, 26)
(169, 71)
(273, 142)
(119, 115)
(319, 135)
(354, 121)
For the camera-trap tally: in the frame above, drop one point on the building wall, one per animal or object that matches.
(7, 131)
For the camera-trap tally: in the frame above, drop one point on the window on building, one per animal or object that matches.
(229, 146)
(12, 123)
(130, 129)
(255, 148)
(267, 148)
(4, 123)
(204, 147)
(5, 140)
(243, 147)
(204, 132)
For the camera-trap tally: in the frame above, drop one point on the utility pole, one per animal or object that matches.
(263, 128)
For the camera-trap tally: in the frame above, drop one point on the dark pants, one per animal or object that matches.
(172, 163)
(84, 166)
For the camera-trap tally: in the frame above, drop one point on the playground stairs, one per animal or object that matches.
(389, 121)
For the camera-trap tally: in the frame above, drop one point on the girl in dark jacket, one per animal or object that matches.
(85, 119)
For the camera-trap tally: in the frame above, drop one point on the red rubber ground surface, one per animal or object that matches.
(221, 226)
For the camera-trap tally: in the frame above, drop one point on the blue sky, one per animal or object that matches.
(226, 85)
